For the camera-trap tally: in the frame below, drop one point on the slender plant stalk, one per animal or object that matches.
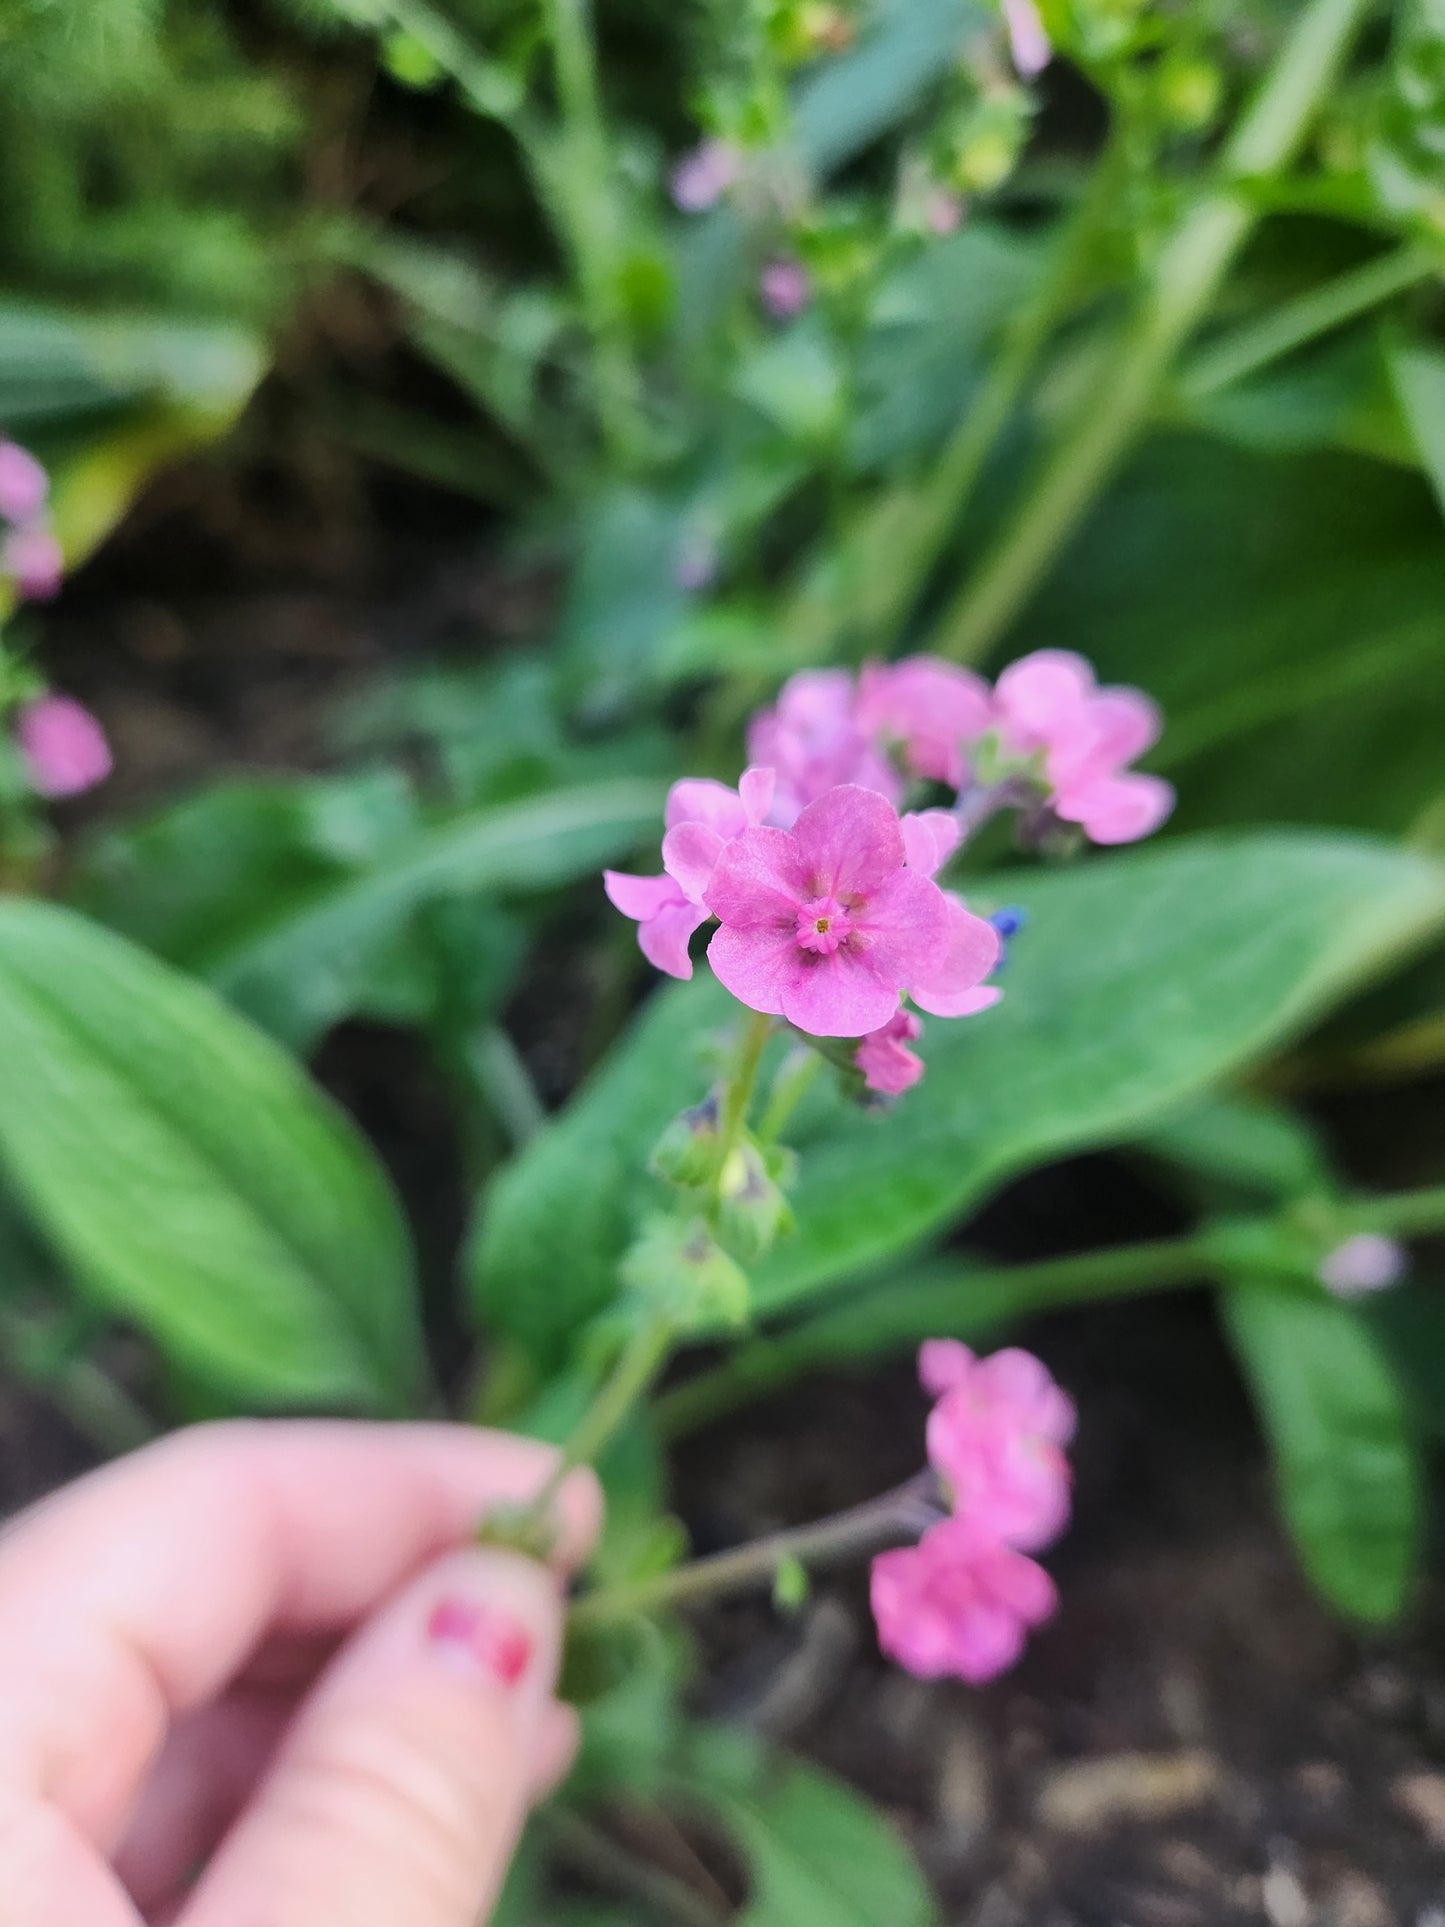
(594, 1852)
(506, 1083)
(892, 1519)
(1257, 343)
(77, 1387)
(739, 1092)
(966, 1303)
(1185, 280)
(578, 181)
(954, 1300)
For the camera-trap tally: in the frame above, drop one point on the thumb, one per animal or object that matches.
(398, 1795)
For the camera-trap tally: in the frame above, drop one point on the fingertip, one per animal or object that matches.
(558, 1739)
(580, 1508)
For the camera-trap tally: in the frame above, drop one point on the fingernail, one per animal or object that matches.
(474, 1635)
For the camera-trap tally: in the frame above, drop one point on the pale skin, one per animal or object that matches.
(233, 1694)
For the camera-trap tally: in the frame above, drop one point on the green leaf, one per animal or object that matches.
(1346, 1462)
(1140, 980)
(819, 1855)
(193, 1178)
(300, 959)
(1244, 1144)
(1418, 375)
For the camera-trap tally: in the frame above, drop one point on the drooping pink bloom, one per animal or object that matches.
(824, 924)
(958, 1603)
(701, 178)
(64, 747)
(701, 816)
(24, 484)
(785, 287)
(1362, 1264)
(814, 741)
(996, 1437)
(930, 710)
(883, 1056)
(1028, 42)
(1047, 706)
(31, 557)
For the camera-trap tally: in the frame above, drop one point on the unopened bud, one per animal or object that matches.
(753, 1212)
(1362, 1264)
(686, 1153)
(678, 1268)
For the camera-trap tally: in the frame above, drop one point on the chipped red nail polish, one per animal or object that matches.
(483, 1636)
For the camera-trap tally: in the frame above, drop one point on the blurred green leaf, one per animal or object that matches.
(1140, 980)
(1346, 1463)
(193, 1178)
(309, 929)
(819, 1855)
(57, 363)
(1245, 1144)
(1418, 373)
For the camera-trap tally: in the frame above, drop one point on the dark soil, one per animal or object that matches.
(1194, 1742)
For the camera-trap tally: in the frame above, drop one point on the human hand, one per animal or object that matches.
(267, 1647)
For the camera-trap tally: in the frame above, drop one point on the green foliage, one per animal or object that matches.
(1347, 1464)
(817, 1855)
(193, 1179)
(1143, 978)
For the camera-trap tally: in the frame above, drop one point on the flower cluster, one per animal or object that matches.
(29, 553)
(964, 1599)
(824, 884)
(62, 745)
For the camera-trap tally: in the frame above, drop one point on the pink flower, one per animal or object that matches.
(944, 211)
(700, 179)
(814, 741)
(958, 1603)
(31, 557)
(996, 1437)
(824, 924)
(785, 287)
(884, 1058)
(64, 747)
(930, 709)
(1047, 706)
(701, 816)
(24, 484)
(1365, 1263)
(1028, 43)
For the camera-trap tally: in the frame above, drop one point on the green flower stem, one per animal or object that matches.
(1185, 279)
(1257, 343)
(893, 1519)
(578, 181)
(490, 88)
(75, 1385)
(593, 1852)
(795, 1078)
(738, 1093)
(946, 1298)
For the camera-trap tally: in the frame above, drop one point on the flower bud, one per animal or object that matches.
(686, 1153)
(678, 1268)
(753, 1212)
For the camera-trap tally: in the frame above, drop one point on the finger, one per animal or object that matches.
(210, 1766)
(50, 1875)
(397, 1797)
(139, 1592)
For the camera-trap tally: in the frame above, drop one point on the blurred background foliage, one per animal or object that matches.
(1141, 355)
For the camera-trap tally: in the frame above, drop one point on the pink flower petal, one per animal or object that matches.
(1038, 693)
(943, 1363)
(754, 963)
(930, 838)
(698, 799)
(1117, 809)
(907, 926)
(689, 855)
(24, 483)
(64, 747)
(884, 1058)
(933, 710)
(755, 791)
(952, 988)
(663, 938)
(849, 841)
(760, 879)
(838, 995)
(640, 897)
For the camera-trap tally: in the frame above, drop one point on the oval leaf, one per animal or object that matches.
(193, 1178)
(1140, 980)
(1346, 1463)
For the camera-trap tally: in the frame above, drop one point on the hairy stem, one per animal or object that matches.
(893, 1519)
